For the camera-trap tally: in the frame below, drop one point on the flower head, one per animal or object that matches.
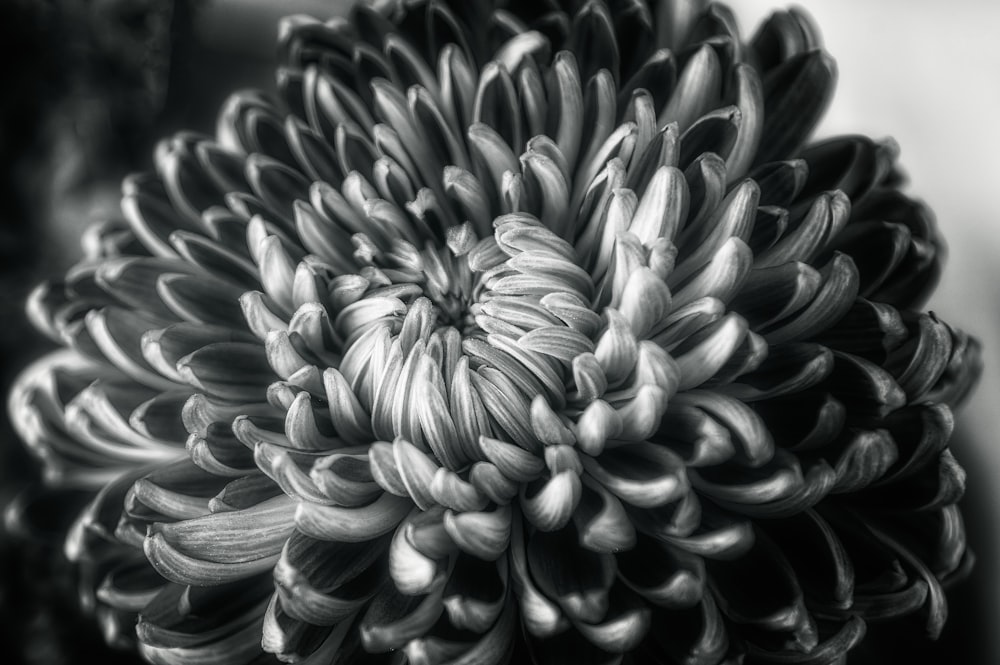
(512, 328)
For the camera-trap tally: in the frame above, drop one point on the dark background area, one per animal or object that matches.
(88, 87)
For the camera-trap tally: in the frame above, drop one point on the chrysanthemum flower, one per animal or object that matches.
(528, 330)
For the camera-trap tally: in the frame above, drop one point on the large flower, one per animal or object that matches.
(523, 330)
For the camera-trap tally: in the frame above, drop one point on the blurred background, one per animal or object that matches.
(90, 85)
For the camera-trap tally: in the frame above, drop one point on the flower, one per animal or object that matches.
(512, 331)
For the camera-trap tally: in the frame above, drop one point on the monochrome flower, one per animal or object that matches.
(511, 330)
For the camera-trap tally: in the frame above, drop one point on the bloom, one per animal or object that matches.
(512, 328)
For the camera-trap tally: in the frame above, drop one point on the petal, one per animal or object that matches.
(351, 525)
(644, 475)
(578, 580)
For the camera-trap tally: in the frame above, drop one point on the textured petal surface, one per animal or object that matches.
(513, 331)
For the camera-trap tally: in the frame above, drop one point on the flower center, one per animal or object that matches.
(452, 288)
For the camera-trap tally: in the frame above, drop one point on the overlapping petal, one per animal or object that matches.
(510, 331)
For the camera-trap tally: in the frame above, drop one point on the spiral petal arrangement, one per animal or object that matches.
(530, 331)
